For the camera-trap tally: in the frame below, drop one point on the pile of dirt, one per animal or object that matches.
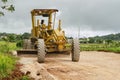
(36, 71)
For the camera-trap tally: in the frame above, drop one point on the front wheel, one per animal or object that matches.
(41, 51)
(75, 50)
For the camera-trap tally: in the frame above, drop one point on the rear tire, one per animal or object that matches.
(41, 51)
(27, 44)
(75, 50)
(70, 41)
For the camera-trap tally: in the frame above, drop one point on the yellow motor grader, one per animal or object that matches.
(44, 38)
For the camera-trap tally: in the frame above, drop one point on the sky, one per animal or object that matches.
(82, 18)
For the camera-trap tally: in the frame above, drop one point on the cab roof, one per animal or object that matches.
(36, 12)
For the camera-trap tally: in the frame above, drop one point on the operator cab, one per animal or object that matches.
(45, 15)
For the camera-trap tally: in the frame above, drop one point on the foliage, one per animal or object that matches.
(91, 40)
(7, 64)
(6, 47)
(4, 1)
(25, 78)
(108, 37)
(6, 7)
(19, 43)
(25, 35)
(108, 41)
(108, 47)
(11, 37)
(91, 47)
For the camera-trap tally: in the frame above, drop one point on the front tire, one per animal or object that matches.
(41, 51)
(75, 50)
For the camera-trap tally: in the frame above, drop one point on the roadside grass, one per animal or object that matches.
(100, 47)
(9, 67)
(6, 47)
(7, 61)
(25, 78)
(92, 47)
(7, 64)
(112, 49)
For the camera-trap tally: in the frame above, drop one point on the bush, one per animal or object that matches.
(19, 43)
(5, 47)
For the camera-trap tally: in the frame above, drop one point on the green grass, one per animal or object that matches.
(25, 78)
(112, 49)
(7, 64)
(91, 47)
(100, 47)
(7, 61)
(5, 47)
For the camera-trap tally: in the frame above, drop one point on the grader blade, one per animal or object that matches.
(22, 52)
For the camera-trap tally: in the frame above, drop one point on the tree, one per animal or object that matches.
(91, 40)
(108, 41)
(12, 37)
(26, 35)
(5, 6)
(99, 41)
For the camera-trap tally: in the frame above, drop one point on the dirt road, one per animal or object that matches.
(92, 66)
